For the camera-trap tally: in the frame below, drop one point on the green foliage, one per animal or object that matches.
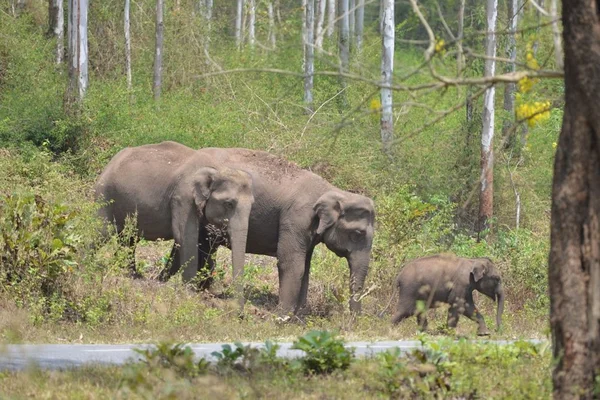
(37, 246)
(324, 352)
(178, 357)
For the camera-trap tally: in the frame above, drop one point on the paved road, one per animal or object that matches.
(56, 356)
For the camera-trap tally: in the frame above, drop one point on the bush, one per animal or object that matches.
(324, 352)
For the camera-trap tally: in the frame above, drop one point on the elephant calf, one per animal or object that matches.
(448, 279)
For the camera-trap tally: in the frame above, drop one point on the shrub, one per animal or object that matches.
(324, 352)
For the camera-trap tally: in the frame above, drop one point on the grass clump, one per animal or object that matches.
(325, 352)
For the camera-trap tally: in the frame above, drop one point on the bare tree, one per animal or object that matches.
(320, 33)
(272, 36)
(511, 52)
(309, 54)
(486, 195)
(251, 23)
(330, 17)
(351, 18)
(574, 264)
(127, 30)
(387, 69)
(344, 39)
(56, 26)
(558, 51)
(360, 23)
(238, 23)
(158, 51)
(77, 51)
(460, 57)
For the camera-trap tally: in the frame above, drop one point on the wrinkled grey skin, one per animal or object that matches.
(176, 194)
(293, 211)
(452, 280)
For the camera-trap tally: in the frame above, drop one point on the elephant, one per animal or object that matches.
(448, 279)
(177, 194)
(293, 211)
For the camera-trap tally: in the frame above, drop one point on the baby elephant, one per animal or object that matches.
(448, 279)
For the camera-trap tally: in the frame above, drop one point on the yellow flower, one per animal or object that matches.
(532, 62)
(375, 105)
(439, 46)
(554, 145)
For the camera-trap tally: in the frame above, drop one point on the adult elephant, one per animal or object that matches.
(177, 193)
(293, 211)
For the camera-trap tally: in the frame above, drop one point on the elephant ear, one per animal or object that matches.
(203, 180)
(478, 270)
(328, 208)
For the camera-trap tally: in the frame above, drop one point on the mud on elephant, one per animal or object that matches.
(294, 210)
(177, 193)
(451, 280)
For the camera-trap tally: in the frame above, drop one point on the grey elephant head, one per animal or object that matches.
(486, 279)
(224, 198)
(346, 224)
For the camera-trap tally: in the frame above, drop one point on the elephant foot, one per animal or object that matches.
(483, 332)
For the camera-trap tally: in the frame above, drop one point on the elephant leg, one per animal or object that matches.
(304, 287)
(185, 232)
(422, 320)
(133, 272)
(291, 265)
(171, 269)
(472, 313)
(452, 316)
(406, 308)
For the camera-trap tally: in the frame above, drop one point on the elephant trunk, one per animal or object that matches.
(237, 229)
(500, 300)
(359, 266)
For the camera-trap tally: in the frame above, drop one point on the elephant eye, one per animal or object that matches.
(357, 235)
(229, 204)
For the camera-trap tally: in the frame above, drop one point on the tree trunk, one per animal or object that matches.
(330, 17)
(127, 44)
(272, 37)
(78, 53)
(486, 195)
(387, 69)
(251, 23)
(536, 42)
(344, 39)
(460, 57)
(320, 33)
(158, 49)
(351, 18)
(56, 27)
(558, 51)
(238, 23)
(510, 88)
(20, 6)
(360, 22)
(309, 53)
(574, 264)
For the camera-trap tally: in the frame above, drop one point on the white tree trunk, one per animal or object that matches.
(360, 22)
(272, 36)
(511, 52)
(158, 52)
(208, 10)
(344, 40)
(56, 26)
(127, 44)
(330, 17)
(387, 69)
(486, 197)
(320, 32)
(309, 54)
(78, 50)
(351, 17)
(238, 23)
(251, 22)
(558, 52)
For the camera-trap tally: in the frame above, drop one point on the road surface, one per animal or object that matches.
(59, 356)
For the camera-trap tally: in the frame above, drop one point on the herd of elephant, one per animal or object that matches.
(255, 202)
